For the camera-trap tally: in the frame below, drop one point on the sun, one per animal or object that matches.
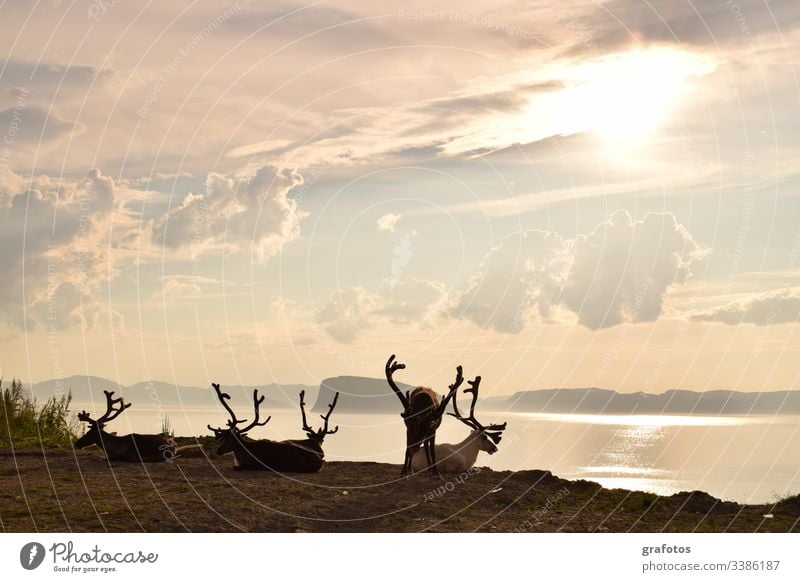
(623, 98)
(626, 97)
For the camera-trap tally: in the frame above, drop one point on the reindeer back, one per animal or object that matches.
(422, 399)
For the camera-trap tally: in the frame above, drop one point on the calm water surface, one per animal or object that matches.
(747, 459)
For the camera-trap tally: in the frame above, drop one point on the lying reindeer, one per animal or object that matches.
(131, 448)
(461, 456)
(292, 456)
(422, 414)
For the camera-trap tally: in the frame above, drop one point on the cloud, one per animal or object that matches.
(522, 273)
(333, 28)
(409, 300)
(175, 290)
(621, 271)
(252, 213)
(387, 222)
(346, 313)
(42, 77)
(351, 311)
(590, 95)
(618, 273)
(534, 201)
(421, 128)
(507, 101)
(767, 309)
(261, 147)
(33, 125)
(54, 248)
(620, 22)
(63, 308)
(65, 241)
(401, 253)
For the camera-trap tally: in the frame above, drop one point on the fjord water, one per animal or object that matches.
(749, 459)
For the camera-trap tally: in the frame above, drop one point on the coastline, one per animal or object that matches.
(65, 490)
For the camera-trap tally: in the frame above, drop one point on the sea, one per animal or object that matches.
(748, 459)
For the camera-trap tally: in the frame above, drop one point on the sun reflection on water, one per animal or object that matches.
(626, 460)
(658, 486)
(647, 420)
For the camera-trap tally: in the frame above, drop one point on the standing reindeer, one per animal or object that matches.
(422, 414)
(131, 448)
(291, 456)
(454, 458)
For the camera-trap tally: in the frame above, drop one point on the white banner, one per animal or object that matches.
(372, 557)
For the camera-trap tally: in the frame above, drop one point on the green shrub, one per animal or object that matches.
(23, 423)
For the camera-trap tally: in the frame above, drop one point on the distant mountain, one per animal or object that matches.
(373, 395)
(87, 389)
(81, 387)
(358, 394)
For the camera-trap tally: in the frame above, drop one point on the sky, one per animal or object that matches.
(551, 194)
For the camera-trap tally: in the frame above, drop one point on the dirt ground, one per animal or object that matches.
(61, 491)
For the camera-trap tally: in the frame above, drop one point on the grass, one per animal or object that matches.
(48, 491)
(24, 423)
(166, 427)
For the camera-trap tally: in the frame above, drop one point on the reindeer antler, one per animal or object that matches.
(223, 399)
(391, 368)
(331, 406)
(111, 411)
(256, 404)
(320, 433)
(452, 391)
(493, 430)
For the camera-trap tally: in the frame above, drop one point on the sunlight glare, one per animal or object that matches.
(645, 420)
(626, 97)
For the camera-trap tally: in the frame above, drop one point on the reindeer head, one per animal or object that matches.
(95, 433)
(429, 400)
(319, 434)
(229, 437)
(485, 443)
(489, 436)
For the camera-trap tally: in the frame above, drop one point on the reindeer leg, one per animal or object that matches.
(406, 471)
(411, 448)
(432, 468)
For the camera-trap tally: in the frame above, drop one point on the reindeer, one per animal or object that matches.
(131, 448)
(291, 456)
(422, 414)
(461, 456)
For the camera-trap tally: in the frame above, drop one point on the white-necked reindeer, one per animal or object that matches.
(290, 456)
(422, 415)
(131, 448)
(454, 458)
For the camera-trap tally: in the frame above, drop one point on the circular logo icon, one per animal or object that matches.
(31, 555)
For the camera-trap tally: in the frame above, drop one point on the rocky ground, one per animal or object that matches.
(57, 491)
